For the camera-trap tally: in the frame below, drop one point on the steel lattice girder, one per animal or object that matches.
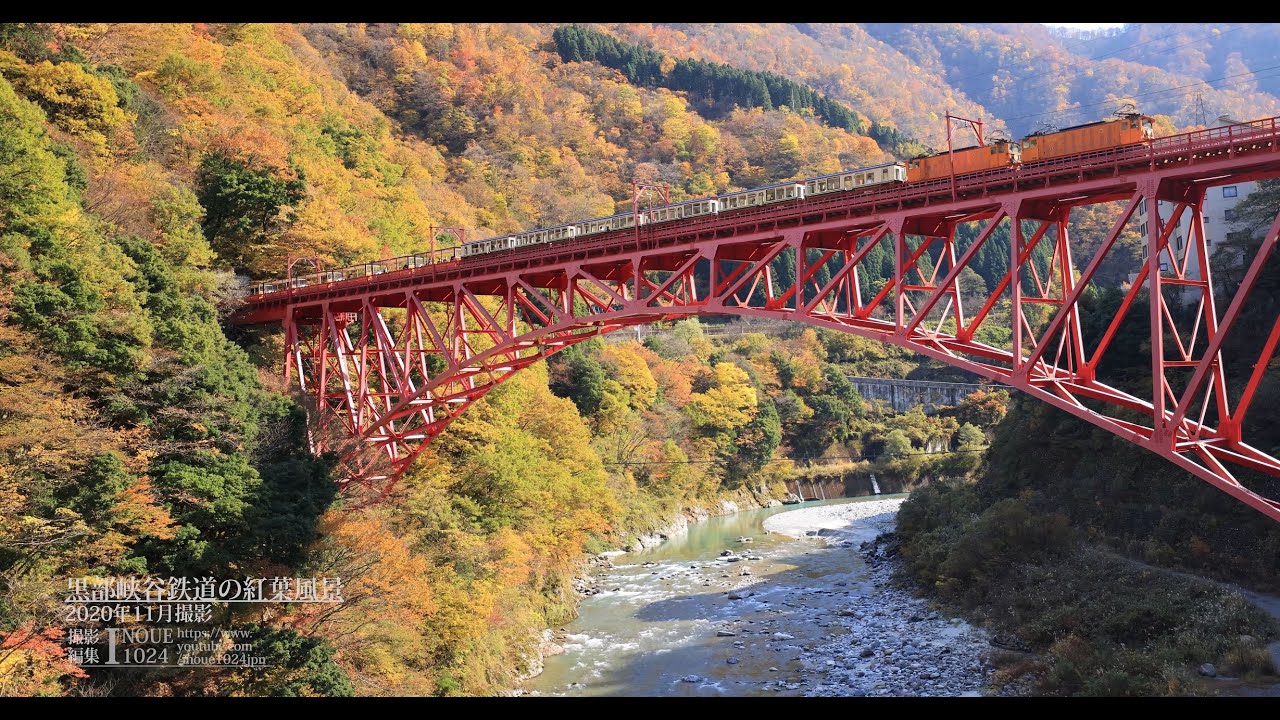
(381, 393)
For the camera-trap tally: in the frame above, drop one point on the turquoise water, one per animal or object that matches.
(655, 625)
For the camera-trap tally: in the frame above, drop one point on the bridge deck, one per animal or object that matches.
(382, 391)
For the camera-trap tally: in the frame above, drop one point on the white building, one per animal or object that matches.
(1218, 213)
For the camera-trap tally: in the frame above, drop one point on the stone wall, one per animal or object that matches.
(902, 395)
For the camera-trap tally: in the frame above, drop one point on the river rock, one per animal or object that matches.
(1208, 670)
(726, 633)
(733, 661)
(691, 678)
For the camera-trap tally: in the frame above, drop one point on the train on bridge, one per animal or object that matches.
(1124, 131)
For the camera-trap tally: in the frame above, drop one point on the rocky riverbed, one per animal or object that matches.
(895, 644)
(796, 606)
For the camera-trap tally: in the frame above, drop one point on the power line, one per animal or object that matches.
(805, 459)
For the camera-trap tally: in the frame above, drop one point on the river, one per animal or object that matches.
(677, 620)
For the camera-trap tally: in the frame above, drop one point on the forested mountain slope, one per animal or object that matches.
(1029, 77)
(148, 170)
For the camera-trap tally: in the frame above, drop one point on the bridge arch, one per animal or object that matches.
(383, 389)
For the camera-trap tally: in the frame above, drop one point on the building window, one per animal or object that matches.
(1229, 191)
(1206, 218)
(1142, 229)
(1229, 214)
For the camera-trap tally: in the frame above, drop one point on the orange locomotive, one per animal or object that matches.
(998, 154)
(1102, 135)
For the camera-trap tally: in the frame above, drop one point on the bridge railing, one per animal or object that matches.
(375, 267)
(1150, 152)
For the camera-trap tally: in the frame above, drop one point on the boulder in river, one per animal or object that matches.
(691, 678)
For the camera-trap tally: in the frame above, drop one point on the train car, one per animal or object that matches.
(543, 235)
(488, 245)
(856, 179)
(1126, 130)
(762, 196)
(1001, 153)
(364, 270)
(621, 221)
(682, 211)
(330, 276)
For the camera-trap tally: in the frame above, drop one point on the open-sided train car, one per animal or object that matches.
(1001, 153)
(1102, 135)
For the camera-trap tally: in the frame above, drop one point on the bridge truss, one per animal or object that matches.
(388, 361)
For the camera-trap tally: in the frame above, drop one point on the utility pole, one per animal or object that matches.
(292, 260)
(647, 190)
(435, 230)
(976, 125)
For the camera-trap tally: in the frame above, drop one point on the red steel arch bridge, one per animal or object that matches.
(389, 359)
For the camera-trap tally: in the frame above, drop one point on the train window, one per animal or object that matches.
(1229, 191)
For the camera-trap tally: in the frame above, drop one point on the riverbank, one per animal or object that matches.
(1077, 618)
(731, 608)
(895, 644)
(840, 521)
